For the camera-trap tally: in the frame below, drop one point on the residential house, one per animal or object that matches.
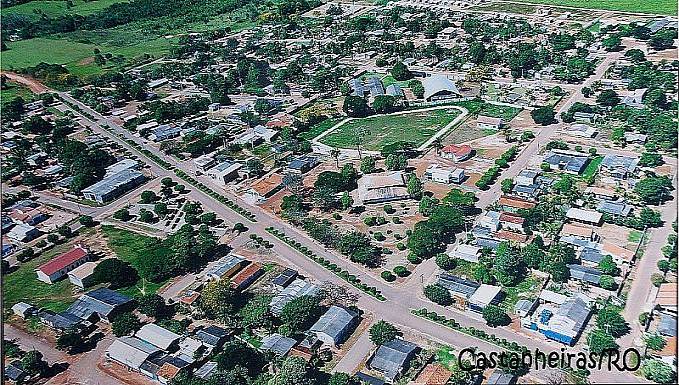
(568, 161)
(438, 174)
(335, 326)
(285, 277)
(122, 165)
(614, 208)
(499, 377)
(510, 221)
(264, 188)
(582, 130)
(212, 336)
(526, 177)
(561, 322)
(585, 274)
(206, 371)
(171, 368)
(392, 358)
(103, 303)
(514, 204)
(302, 164)
(488, 123)
(667, 325)
(635, 138)
(14, 372)
(61, 265)
(590, 256)
(23, 309)
(465, 252)
(457, 153)
(60, 321)
(247, 276)
(277, 344)
(618, 167)
(584, 216)
(621, 255)
(114, 186)
(382, 187)
(511, 236)
(460, 289)
(601, 193)
(23, 233)
(225, 172)
(530, 192)
(131, 352)
(158, 336)
(584, 117)
(580, 231)
(82, 275)
(296, 289)
(224, 267)
(666, 298)
(489, 220)
(164, 132)
(204, 162)
(433, 374)
(394, 90)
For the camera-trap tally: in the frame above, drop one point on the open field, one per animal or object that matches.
(478, 107)
(377, 131)
(664, 7)
(319, 128)
(13, 90)
(54, 8)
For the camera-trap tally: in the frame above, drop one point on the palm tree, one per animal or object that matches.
(437, 144)
(335, 153)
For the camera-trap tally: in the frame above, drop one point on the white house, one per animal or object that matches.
(438, 174)
(488, 123)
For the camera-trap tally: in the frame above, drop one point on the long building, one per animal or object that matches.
(114, 186)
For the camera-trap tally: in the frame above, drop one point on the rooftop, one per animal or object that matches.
(63, 261)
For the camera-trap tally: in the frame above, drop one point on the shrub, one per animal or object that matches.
(388, 209)
(401, 271)
(379, 236)
(414, 259)
(388, 276)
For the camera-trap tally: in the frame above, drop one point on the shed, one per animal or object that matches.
(285, 277)
(82, 275)
(23, 309)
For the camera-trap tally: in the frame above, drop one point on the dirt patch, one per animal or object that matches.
(86, 61)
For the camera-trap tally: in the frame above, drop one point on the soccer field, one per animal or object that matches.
(663, 7)
(377, 131)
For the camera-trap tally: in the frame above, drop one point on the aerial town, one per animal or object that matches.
(311, 192)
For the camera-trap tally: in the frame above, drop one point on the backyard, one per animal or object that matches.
(377, 131)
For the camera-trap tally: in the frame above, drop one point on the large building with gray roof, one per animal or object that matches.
(114, 186)
(335, 325)
(391, 358)
(562, 322)
(296, 289)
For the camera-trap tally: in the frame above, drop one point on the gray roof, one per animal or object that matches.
(101, 301)
(357, 88)
(668, 325)
(568, 162)
(131, 351)
(368, 379)
(391, 357)
(277, 344)
(157, 336)
(500, 378)
(457, 284)
(394, 90)
(302, 162)
(618, 164)
(531, 190)
(285, 277)
(335, 323)
(14, 371)
(206, 371)
(577, 241)
(615, 208)
(523, 305)
(374, 85)
(591, 255)
(61, 321)
(438, 84)
(584, 273)
(222, 266)
(577, 310)
(113, 182)
(296, 289)
(212, 335)
(488, 242)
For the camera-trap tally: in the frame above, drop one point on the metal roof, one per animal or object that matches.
(101, 301)
(112, 183)
(335, 323)
(614, 207)
(277, 344)
(296, 289)
(437, 84)
(157, 336)
(584, 273)
(131, 351)
(668, 325)
(391, 356)
(457, 284)
(285, 277)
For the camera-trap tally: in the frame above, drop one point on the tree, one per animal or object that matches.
(651, 159)
(346, 200)
(153, 305)
(610, 320)
(414, 187)
(495, 316)
(343, 379)
(607, 282)
(65, 231)
(382, 332)
(438, 294)
(543, 115)
(400, 72)
(148, 197)
(396, 162)
(384, 104)
(653, 189)
(160, 209)
(664, 265)
(368, 165)
(300, 313)
(507, 185)
(293, 371)
(635, 55)
(445, 261)
(608, 98)
(612, 43)
(608, 266)
(598, 341)
(509, 268)
(655, 342)
(122, 215)
(217, 300)
(256, 314)
(125, 324)
(657, 279)
(423, 242)
(658, 371)
(70, 340)
(417, 88)
(663, 39)
(146, 216)
(427, 205)
(33, 364)
(86, 221)
(116, 272)
(355, 107)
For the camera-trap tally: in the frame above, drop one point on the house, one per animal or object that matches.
(590, 256)
(666, 298)
(584, 216)
(204, 162)
(190, 350)
(523, 307)
(530, 192)
(437, 174)
(302, 164)
(277, 344)
(483, 296)
(512, 236)
(131, 352)
(394, 90)
(247, 276)
(582, 130)
(122, 165)
(635, 138)
(488, 242)
(392, 358)
(667, 325)
(488, 123)
(296, 289)
(23, 233)
(433, 374)
(601, 193)
(457, 153)
(439, 87)
(212, 336)
(23, 309)
(585, 274)
(620, 254)
(584, 117)
(27, 215)
(490, 220)
(618, 167)
(158, 336)
(368, 379)
(265, 188)
(60, 321)
(614, 208)
(382, 187)
(575, 230)
(568, 161)
(635, 98)
(206, 371)
(58, 267)
(460, 289)
(224, 267)
(103, 302)
(511, 221)
(335, 326)
(562, 322)
(514, 204)
(14, 371)
(285, 277)
(82, 275)
(498, 377)
(465, 252)
(224, 172)
(164, 132)
(114, 186)
(526, 177)
(171, 368)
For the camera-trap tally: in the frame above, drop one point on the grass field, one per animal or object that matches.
(664, 7)
(54, 8)
(319, 128)
(13, 90)
(507, 113)
(377, 131)
(23, 285)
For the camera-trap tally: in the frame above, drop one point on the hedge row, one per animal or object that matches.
(470, 330)
(489, 177)
(338, 271)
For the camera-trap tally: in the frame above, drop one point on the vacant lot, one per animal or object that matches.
(377, 131)
(665, 7)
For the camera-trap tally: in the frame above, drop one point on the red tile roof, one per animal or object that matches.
(63, 260)
(246, 273)
(458, 151)
(511, 218)
(511, 236)
(518, 203)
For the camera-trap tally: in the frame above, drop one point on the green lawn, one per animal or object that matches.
(389, 80)
(13, 90)
(634, 236)
(54, 8)
(507, 113)
(527, 289)
(592, 167)
(25, 53)
(664, 7)
(377, 131)
(23, 285)
(319, 128)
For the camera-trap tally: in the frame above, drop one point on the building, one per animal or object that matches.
(392, 358)
(212, 336)
(465, 252)
(437, 174)
(526, 177)
(247, 276)
(498, 377)
(23, 233)
(206, 371)
(460, 289)
(666, 298)
(433, 374)
(60, 321)
(394, 90)
(457, 153)
(511, 221)
(82, 275)
(58, 267)
(618, 166)
(23, 309)
(277, 344)
(382, 187)
(224, 172)
(204, 162)
(122, 165)
(335, 326)
(14, 371)
(614, 208)
(582, 130)
(285, 277)
(224, 267)
(265, 188)
(575, 230)
(514, 204)
(483, 296)
(296, 289)
(561, 322)
(302, 164)
(590, 256)
(584, 117)
(488, 123)
(439, 87)
(158, 336)
(568, 161)
(621, 255)
(584, 216)
(585, 274)
(114, 186)
(164, 132)
(131, 352)
(601, 193)
(103, 303)
(489, 220)
(635, 138)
